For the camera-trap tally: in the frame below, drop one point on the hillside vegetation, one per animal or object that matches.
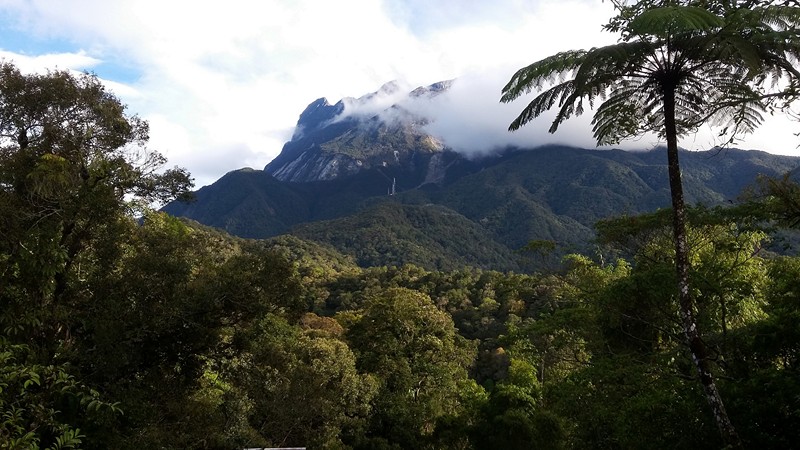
(188, 338)
(481, 214)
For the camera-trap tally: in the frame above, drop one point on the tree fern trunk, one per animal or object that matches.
(686, 302)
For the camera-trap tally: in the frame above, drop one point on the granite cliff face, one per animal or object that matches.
(353, 135)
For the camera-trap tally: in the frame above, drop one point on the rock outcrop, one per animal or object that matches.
(371, 132)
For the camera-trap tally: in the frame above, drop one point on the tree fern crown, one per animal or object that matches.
(727, 69)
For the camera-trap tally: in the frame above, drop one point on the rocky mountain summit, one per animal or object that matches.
(372, 131)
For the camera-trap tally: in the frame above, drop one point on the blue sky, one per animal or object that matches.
(222, 83)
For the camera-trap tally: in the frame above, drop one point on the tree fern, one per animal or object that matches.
(679, 65)
(540, 73)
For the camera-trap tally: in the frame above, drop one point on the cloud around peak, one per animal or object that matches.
(465, 114)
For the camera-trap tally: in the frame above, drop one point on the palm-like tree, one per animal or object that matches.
(677, 66)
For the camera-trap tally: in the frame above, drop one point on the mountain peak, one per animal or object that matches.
(316, 115)
(390, 88)
(355, 134)
(433, 89)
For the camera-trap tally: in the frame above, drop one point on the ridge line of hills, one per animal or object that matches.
(383, 190)
(481, 212)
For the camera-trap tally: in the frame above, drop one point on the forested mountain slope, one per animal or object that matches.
(502, 202)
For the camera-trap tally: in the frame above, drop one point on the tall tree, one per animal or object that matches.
(73, 164)
(678, 65)
(421, 362)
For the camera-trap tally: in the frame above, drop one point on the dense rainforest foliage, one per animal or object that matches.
(176, 336)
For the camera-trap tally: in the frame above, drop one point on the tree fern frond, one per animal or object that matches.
(734, 47)
(542, 103)
(572, 104)
(612, 124)
(616, 59)
(537, 74)
(780, 59)
(778, 17)
(619, 117)
(672, 20)
(743, 118)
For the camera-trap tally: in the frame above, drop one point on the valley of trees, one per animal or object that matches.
(126, 328)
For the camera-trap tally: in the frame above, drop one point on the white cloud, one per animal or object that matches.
(78, 61)
(223, 83)
(471, 119)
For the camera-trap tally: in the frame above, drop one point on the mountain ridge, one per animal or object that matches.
(551, 193)
(365, 176)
